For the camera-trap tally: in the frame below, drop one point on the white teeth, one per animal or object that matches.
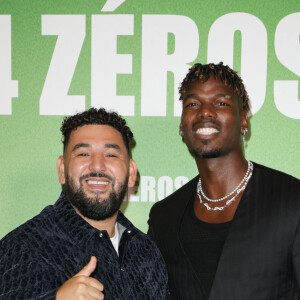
(97, 182)
(206, 131)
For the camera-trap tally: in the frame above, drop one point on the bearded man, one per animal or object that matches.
(83, 247)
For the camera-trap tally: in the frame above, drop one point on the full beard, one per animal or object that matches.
(96, 208)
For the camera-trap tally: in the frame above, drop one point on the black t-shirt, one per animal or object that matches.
(203, 243)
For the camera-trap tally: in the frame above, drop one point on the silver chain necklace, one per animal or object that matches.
(199, 186)
(236, 191)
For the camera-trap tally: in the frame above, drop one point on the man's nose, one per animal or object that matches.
(98, 163)
(206, 110)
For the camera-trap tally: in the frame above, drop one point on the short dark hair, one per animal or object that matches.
(95, 116)
(201, 73)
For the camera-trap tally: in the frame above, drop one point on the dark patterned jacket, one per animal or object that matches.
(40, 255)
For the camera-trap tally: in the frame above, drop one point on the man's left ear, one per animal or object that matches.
(244, 121)
(132, 173)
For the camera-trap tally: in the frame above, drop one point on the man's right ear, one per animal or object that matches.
(61, 170)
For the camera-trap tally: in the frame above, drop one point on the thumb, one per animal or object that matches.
(89, 268)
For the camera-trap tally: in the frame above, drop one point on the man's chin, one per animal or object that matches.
(95, 208)
(209, 153)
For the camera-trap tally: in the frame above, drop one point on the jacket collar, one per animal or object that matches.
(74, 227)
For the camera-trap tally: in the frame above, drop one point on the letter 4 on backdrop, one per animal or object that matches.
(62, 56)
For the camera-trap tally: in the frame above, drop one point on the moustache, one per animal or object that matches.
(95, 174)
(205, 123)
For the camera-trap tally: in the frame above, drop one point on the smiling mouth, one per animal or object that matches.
(96, 182)
(94, 185)
(206, 131)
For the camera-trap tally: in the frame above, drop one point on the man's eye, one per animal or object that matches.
(82, 154)
(221, 103)
(191, 104)
(111, 155)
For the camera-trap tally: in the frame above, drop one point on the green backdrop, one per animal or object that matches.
(59, 57)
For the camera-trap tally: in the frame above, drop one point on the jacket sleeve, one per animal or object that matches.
(150, 231)
(22, 276)
(296, 257)
(160, 289)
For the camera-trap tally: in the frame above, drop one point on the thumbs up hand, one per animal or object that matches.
(81, 285)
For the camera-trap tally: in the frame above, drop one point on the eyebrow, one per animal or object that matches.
(190, 96)
(223, 96)
(215, 95)
(113, 146)
(86, 145)
(81, 145)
